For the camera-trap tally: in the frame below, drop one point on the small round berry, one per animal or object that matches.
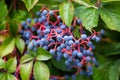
(79, 21)
(63, 27)
(44, 12)
(88, 59)
(35, 20)
(38, 31)
(66, 38)
(73, 77)
(33, 28)
(67, 62)
(23, 23)
(40, 20)
(65, 55)
(59, 17)
(38, 13)
(74, 54)
(68, 48)
(102, 31)
(79, 65)
(62, 45)
(52, 51)
(79, 54)
(83, 36)
(51, 12)
(70, 42)
(29, 20)
(77, 42)
(97, 39)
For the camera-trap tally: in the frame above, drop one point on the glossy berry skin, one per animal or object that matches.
(79, 54)
(83, 36)
(88, 59)
(52, 51)
(29, 20)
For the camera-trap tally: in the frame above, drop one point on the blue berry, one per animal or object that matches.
(66, 38)
(23, 23)
(59, 38)
(77, 42)
(27, 35)
(79, 21)
(73, 77)
(43, 17)
(59, 31)
(52, 51)
(102, 31)
(51, 12)
(97, 39)
(63, 27)
(89, 68)
(83, 36)
(79, 54)
(79, 65)
(69, 59)
(38, 13)
(44, 12)
(35, 20)
(40, 20)
(89, 44)
(68, 47)
(70, 37)
(65, 55)
(38, 31)
(62, 45)
(88, 59)
(67, 62)
(93, 37)
(70, 42)
(74, 53)
(26, 26)
(30, 46)
(33, 28)
(29, 20)
(59, 17)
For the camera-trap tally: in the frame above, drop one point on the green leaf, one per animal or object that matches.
(43, 54)
(103, 68)
(26, 58)
(13, 28)
(25, 70)
(112, 49)
(30, 3)
(86, 3)
(41, 71)
(66, 12)
(20, 44)
(109, 0)
(7, 76)
(114, 71)
(110, 14)
(7, 46)
(89, 16)
(2, 76)
(19, 15)
(76, 32)
(2, 63)
(3, 9)
(2, 25)
(11, 65)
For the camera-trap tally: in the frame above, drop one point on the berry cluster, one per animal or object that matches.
(49, 32)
